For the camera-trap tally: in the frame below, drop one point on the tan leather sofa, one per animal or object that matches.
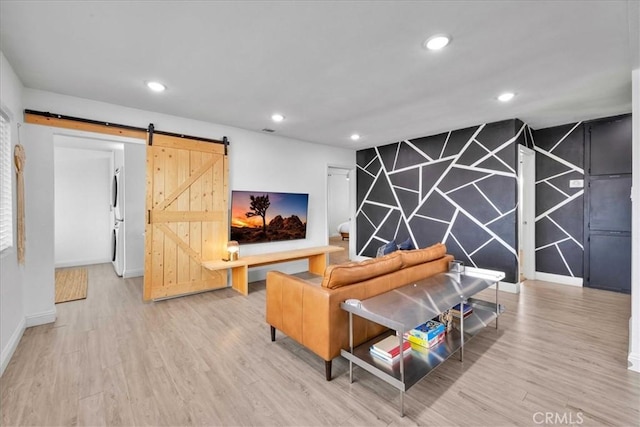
(307, 309)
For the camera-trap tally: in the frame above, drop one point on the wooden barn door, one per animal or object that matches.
(187, 216)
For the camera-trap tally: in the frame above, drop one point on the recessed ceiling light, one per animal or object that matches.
(156, 86)
(355, 137)
(507, 96)
(437, 42)
(277, 117)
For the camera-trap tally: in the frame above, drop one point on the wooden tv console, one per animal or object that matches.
(317, 257)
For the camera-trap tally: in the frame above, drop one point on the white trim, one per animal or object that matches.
(6, 182)
(634, 362)
(79, 263)
(560, 160)
(526, 212)
(444, 146)
(512, 288)
(634, 329)
(140, 271)
(484, 170)
(559, 279)
(565, 137)
(554, 176)
(477, 222)
(633, 358)
(419, 151)
(565, 232)
(559, 205)
(442, 176)
(41, 318)
(553, 244)
(8, 351)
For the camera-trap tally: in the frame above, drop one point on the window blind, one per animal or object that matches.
(6, 194)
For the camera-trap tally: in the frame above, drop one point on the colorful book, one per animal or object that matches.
(385, 358)
(428, 330)
(419, 341)
(389, 346)
(467, 310)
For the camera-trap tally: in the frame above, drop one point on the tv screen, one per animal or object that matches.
(258, 216)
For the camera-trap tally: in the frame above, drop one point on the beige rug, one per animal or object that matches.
(71, 284)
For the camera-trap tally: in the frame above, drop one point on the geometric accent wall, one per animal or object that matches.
(458, 188)
(559, 208)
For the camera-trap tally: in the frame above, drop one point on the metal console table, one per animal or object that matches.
(404, 308)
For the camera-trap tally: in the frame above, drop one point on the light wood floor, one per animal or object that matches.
(339, 257)
(207, 359)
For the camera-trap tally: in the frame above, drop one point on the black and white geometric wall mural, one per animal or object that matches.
(458, 188)
(559, 205)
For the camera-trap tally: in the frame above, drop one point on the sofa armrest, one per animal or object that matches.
(299, 309)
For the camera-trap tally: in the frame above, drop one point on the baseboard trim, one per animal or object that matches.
(133, 273)
(79, 263)
(41, 318)
(512, 288)
(557, 278)
(634, 362)
(8, 351)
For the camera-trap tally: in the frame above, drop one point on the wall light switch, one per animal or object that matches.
(576, 183)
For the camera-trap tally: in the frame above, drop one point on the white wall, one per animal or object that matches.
(12, 319)
(39, 288)
(634, 321)
(83, 219)
(130, 155)
(135, 156)
(257, 160)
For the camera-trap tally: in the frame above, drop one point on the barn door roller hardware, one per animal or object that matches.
(151, 129)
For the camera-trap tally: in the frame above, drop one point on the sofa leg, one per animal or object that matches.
(273, 333)
(327, 369)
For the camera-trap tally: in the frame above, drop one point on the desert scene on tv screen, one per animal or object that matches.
(268, 217)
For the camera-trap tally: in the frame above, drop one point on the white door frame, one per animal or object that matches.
(352, 204)
(526, 212)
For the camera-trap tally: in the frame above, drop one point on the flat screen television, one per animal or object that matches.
(260, 216)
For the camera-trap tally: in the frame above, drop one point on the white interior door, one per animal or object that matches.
(526, 213)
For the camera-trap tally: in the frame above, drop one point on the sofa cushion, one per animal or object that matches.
(339, 275)
(419, 256)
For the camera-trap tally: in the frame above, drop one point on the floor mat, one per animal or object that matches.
(71, 284)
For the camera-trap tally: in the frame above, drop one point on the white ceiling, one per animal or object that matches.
(333, 68)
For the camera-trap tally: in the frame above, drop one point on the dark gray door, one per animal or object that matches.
(608, 205)
(610, 233)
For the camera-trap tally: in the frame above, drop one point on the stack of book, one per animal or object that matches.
(427, 334)
(388, 349)
(466, 311)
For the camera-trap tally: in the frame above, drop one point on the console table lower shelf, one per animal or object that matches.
(418, 363)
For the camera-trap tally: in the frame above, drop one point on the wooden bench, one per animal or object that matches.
(317, 257)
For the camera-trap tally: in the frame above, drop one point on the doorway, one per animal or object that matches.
(340, 232)
(87, 228)
(526, 213)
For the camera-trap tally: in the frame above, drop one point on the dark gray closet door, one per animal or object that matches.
(608, 205)
(610, 233)
(610, 208)
(610, 261)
